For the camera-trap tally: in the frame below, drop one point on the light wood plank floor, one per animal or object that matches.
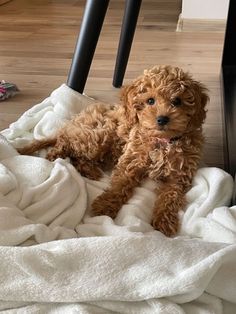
(37, 40)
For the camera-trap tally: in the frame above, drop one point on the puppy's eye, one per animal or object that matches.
(176, 102)
(151, 101)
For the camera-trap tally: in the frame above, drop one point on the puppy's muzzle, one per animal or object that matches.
(162, 120)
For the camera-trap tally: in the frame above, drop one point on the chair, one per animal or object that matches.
(228, 76)
(94, 14)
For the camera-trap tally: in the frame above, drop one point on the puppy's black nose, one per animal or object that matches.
(162, 120)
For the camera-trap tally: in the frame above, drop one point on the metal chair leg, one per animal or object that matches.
(228, 75)
(92, 22)
(126, 37)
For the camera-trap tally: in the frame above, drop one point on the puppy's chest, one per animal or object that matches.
(165, 159)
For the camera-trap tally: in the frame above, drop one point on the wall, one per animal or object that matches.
(204, 9)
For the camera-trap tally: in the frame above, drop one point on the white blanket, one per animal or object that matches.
(55, 258)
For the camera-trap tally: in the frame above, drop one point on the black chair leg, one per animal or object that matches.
(126, 37)
(229, 90)
(92, 22)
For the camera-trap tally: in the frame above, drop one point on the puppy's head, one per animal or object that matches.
(166, 100)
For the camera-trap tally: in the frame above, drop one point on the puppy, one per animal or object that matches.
(155, 132)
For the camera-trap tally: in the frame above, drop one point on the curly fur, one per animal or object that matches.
(128, 138)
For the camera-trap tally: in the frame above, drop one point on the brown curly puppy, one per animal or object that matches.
(155, 132)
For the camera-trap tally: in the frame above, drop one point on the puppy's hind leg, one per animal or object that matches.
(64, 148)
(36, 145)
(88, 151)
(87, 168)
(60, 150)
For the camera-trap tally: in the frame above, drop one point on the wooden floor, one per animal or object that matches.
(37, 39)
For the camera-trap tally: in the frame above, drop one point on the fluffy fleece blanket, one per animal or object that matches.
(55, 258)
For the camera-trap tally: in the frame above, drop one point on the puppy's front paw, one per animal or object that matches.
(105, 204)
(166, 222)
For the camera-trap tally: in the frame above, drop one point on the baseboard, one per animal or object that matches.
(200, 25)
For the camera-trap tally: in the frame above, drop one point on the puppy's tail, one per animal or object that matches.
(36, 145)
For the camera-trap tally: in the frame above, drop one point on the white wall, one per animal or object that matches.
(204, 9)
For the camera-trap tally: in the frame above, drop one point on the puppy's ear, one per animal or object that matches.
(128, 100)
(201, 99)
